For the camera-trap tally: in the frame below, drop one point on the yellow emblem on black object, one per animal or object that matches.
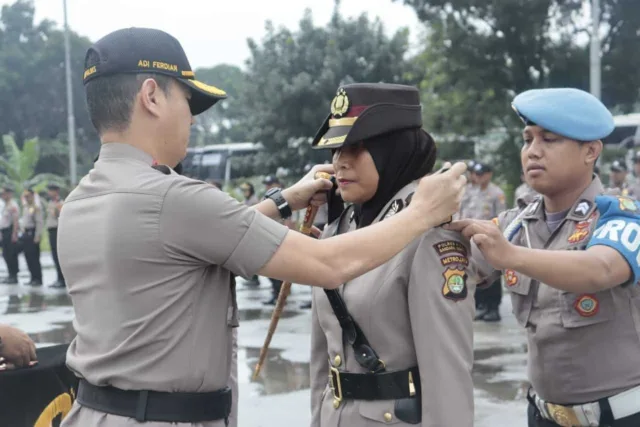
(340, 104)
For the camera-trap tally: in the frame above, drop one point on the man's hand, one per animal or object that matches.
(438, 196)
(36, 239)
(497, 250)
(17, 348)
(14, 238)
(309, 190)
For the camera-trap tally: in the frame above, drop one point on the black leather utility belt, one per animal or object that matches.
(146, 405)
(383, 386)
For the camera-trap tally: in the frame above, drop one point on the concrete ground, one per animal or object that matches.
(281, 395)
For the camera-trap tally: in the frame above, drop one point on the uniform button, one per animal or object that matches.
(388, 417)
(336, 403)
(337, 361)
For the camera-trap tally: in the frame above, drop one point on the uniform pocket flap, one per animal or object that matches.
(381, 411)
(580, 310)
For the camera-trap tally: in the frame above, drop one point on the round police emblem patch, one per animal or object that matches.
(587, 305)
(456, 284)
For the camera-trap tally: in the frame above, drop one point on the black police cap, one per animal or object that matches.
(146, 50)
(363, 110)
(482, 168)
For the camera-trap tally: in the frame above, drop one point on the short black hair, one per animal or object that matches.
(110, 98)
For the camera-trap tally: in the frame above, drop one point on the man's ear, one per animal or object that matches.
(151, 97)
(594, 149)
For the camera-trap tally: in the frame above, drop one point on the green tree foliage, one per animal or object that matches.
(293, 76)
(18, 166)
(221, 124)
(33, 88)
(479, 54)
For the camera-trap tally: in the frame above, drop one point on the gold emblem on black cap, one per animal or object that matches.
(340, 104)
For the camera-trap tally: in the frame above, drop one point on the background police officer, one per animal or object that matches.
(32, 225)
(618, 185)
(571, 261)
(10, 227)
(485, 201)
(54, 206)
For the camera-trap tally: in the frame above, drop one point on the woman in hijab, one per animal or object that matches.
(394, 346)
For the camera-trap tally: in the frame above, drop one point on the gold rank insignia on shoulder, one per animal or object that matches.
(340, 104)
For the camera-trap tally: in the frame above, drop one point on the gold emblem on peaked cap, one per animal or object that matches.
(340, 104)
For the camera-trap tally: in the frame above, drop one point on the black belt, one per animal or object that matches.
(383, 386)
(146, 405)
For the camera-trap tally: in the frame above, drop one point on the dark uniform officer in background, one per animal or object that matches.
(53, 213)
(10, 227)
(150, 256)
(33, 225)
(571, 260)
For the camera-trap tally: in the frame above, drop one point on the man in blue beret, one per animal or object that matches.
(571, 260)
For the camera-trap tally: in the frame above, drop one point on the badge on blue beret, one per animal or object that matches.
(568, 112)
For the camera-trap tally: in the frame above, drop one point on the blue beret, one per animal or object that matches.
(572, 113)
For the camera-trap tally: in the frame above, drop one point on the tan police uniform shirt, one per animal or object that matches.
(483, 204)
(10, 212)
(411, 317)
(581, 347)
(149, 260)
(32, 218)
(53, 212)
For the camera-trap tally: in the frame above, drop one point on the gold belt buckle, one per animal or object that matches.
(562, 415)
(335, 385)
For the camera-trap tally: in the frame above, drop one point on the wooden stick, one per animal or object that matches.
(305, 228)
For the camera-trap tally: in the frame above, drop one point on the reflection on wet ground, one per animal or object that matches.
(262, 314)
(491, 371)
(34, 301)
(279, 375)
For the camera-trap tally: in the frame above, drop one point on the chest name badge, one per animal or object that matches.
(587, 305)
(455, 284)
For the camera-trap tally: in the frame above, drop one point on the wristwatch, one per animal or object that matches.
(275, 194)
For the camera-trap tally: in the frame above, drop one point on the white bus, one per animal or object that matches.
(213, 162)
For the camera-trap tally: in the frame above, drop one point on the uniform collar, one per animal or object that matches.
(581, 209)
(117, 150)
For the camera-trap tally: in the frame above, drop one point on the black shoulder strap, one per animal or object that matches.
(351, 332)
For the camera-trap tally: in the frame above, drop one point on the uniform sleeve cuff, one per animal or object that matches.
(257, 246)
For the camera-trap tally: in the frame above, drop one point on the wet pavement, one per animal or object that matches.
(281, 395)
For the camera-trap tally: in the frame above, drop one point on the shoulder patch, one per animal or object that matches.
(395, 207)
(627, 204)
(582, 208)
(455, 284)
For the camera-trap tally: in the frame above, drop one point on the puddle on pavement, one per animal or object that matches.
(278, 375)
(485, 372)
(62, 334)
(35, 302)
(262, 314)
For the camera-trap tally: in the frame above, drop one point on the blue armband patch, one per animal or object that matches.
(619, 228)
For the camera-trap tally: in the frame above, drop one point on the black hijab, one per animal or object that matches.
(400, 157)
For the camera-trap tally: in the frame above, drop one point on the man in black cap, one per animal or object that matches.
(618, 185)
(10, 227)
(54, 206)
(150, 256)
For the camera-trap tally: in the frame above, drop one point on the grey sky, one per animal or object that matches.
(212, 31)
